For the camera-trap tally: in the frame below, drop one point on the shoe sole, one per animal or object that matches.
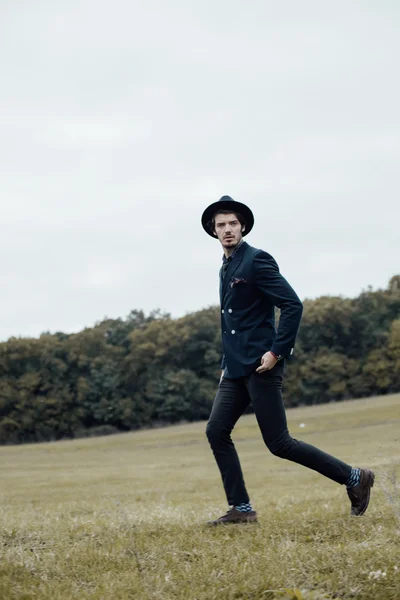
(372, 480)
(216, 523)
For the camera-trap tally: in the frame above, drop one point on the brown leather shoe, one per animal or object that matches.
(360, 494)
(235, 516)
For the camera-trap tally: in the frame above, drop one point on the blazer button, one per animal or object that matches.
(233, 332)
(229, 310)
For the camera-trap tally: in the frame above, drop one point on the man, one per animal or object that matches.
(253, 363)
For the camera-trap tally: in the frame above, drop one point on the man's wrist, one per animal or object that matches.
(277, 356)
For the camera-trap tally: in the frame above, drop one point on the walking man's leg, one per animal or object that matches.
(265, 391)
(231, 401)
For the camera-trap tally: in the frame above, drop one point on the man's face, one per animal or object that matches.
(228, 230)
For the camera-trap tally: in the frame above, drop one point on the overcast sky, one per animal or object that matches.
(121, 121)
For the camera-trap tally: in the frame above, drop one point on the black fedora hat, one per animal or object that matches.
(227, 203)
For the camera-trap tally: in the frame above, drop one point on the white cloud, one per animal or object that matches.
(120, 123)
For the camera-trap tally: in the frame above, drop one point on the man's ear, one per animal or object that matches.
(243, 228)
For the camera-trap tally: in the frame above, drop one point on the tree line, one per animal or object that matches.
(152, 370)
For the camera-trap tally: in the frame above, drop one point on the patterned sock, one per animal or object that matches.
(244, 507)
(354, 478)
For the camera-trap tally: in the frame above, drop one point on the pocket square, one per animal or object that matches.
(236, 281)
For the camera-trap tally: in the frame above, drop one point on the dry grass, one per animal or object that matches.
(123, 517)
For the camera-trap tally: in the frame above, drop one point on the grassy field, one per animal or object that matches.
(123, 517)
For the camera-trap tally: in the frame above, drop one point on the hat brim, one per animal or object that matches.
(235, 207)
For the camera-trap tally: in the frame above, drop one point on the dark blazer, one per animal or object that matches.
(249, 291)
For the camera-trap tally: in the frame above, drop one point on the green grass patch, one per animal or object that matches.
(124, 516)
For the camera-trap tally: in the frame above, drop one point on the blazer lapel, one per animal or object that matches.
(233, 265)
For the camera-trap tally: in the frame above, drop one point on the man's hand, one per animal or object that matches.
(268, 361)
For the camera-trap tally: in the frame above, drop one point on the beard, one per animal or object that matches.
(230, 242)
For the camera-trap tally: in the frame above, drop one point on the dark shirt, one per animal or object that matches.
(227, 260)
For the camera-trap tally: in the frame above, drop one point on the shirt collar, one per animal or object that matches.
(227, 260)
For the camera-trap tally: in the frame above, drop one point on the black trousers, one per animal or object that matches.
(265, 392)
